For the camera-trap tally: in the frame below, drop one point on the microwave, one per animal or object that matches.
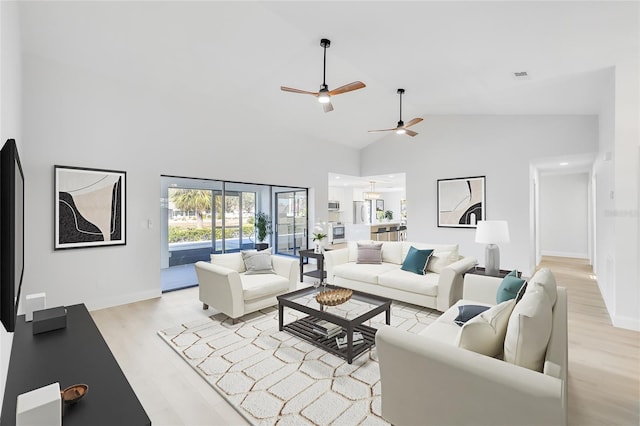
(334, 205)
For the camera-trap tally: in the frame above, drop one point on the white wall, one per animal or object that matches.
(564, 218)
(617, 176)
(10, 122)
(81, 116)
(498, 147)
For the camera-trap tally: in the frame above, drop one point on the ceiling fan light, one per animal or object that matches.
(323, 96)
(401, 131)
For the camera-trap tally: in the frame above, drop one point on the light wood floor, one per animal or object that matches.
(604, 362)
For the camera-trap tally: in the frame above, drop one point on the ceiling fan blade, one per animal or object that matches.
(413, 122)
(347, 88)
(327, 107)
(383, 130)
(410, 132)
(292, 90)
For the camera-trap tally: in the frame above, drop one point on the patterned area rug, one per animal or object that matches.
(273, 377)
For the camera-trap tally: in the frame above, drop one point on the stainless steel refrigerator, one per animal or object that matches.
(362, 211)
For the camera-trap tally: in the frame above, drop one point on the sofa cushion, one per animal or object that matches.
(529, 329)
(229, 260)
(467, 312)
(402, 280)
(545, 278)
(257, 286)
(370, 253)
(485, 333)
(392, 252)
(416, 260)
(257, 262)
(365, 273)
(509, 287)
(441, 259)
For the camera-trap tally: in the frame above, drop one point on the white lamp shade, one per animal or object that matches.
(492, 232)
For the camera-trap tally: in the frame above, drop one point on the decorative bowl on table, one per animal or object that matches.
(72, 394)
(334, 297)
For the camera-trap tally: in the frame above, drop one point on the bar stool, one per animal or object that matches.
(379, 232)
(402, 233)
(391, 231)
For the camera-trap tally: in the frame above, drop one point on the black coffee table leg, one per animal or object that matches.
(280, 316)
(350, 344)
(388, 315)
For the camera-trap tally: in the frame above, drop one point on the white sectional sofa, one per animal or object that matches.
(429, 379)
(439, 288)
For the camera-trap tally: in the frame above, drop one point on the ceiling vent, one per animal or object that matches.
(521, 75)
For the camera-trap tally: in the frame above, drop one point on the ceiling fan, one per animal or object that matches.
(401, 128)
(324, 94)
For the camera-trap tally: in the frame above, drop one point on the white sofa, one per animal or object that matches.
(225, 285)
(427, 379)
(438, 289)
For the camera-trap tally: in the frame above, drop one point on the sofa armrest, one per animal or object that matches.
(481, 288)
(286, 267)
(424, 381)
(450, 282)
(334, 258)
(220, 288)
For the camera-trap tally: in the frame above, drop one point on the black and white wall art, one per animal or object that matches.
(90, 206)
(461, 202)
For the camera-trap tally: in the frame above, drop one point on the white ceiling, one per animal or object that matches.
(451, 57)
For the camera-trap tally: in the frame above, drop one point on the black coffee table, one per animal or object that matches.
(350, 316)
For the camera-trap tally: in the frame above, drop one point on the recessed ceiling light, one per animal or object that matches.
(337, 177)
(391, 176)
(564, 163)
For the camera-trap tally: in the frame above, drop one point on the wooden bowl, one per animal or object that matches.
(334, 297)
(72, 394)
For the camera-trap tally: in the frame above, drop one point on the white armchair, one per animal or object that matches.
(225, 285)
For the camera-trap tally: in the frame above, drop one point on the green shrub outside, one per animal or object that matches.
(183, 235)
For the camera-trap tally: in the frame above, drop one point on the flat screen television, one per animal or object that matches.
(11, 233)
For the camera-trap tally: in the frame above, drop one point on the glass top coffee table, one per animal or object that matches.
(350, 316)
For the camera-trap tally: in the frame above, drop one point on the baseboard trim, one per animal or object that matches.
(628, 323)
(564, 254)
(123, 300)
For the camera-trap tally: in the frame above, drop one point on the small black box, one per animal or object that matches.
(49, 319)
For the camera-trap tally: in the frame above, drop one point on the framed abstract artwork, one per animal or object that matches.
(461, 202)
(90, 207)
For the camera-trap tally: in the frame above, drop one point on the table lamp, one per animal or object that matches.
(491, 232)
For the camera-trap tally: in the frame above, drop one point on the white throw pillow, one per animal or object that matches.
(485, 333)
(529, 329)
(545, 278)
(229, 260)
(258, 262)
(441, 259)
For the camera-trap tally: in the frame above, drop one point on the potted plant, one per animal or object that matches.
(317, 238)
(263, 230)
(388, 215)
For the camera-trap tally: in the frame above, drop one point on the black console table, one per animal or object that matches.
(73, 355)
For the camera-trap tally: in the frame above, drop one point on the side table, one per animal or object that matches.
(319, 271)
(480, 270)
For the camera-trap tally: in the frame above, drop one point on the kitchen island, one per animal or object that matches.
(369, 231)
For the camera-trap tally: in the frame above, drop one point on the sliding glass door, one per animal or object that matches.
(201, 217)
(291, 222)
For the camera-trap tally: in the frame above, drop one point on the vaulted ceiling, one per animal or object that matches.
(451, 57)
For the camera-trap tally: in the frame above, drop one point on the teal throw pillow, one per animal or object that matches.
(509, 287)
(416, 260)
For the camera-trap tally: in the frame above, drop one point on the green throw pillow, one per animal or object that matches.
(509, 287)
(416, 260)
